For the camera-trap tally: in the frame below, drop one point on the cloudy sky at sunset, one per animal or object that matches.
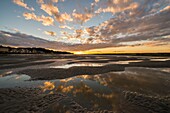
(88, 26)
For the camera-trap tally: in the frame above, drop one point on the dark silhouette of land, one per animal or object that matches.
(12, 50)
(34, 50)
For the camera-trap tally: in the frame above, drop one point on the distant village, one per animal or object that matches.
(12, 50)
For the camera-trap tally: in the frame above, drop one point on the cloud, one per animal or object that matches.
(22, 4)
(79, 33)
(129, 22)
(40, 1)
(52, 10)
(61, 18)
(96, 1)
(15, 30)
(46, 21)
(51, 33)
(5, 34)
(115, 9)
(85, 16)
(81, 18)
(55, 1)
(117, 31)
(66, 27)
(23, 40)
(167, 8)
(129, 27)
(67, 35)
(39, 29)
(52, 1)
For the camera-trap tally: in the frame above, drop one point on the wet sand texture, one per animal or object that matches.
(49, 74)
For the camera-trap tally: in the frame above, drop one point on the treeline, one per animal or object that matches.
(11, 50)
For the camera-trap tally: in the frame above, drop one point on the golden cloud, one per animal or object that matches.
(119, 1)
(46, 21)
(81, 18)
(67, 35)
(79, 33)
(55, 1)
(84, 17)
(61, 18)
(166, 8)
(22, 4)
(113, 9)
(96, 1)
(51, 33)
(53, 10)
(50, 9)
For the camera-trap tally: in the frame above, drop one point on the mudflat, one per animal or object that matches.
(84, 83)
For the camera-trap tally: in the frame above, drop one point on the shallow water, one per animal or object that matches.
(78, 65)
(101, 91)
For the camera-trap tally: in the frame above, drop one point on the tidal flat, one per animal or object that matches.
(84, 84)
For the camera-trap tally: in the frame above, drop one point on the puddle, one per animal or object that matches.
(126, 62)
(93, 64)
(5, 73)
(163, 69)
(13, 80)
(76, 64)
(102, 91)
(160, 59)
(94, 91)
(82, 89)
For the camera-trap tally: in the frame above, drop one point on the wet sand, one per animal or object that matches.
(140, 86)
(25, 100)
(34, 101)
(50, 74)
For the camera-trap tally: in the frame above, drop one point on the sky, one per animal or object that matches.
(87, 26)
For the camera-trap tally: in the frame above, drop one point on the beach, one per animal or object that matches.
(84, 84)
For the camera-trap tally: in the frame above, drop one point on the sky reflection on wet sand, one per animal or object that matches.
(102, 91)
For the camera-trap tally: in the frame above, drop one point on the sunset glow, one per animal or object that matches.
(84, 56)
(79, 53)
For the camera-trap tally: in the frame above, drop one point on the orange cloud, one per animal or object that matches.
(67, 35)
(22, 4)
(61, 18)
(166, 8)
(50, 9)
(84, 17)
(81, 18)
(120, 1)
(51, 33)
(79, 33)
(53, 10)
(113, 9)
(96, 1)
(46, 21)
(55, 1)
